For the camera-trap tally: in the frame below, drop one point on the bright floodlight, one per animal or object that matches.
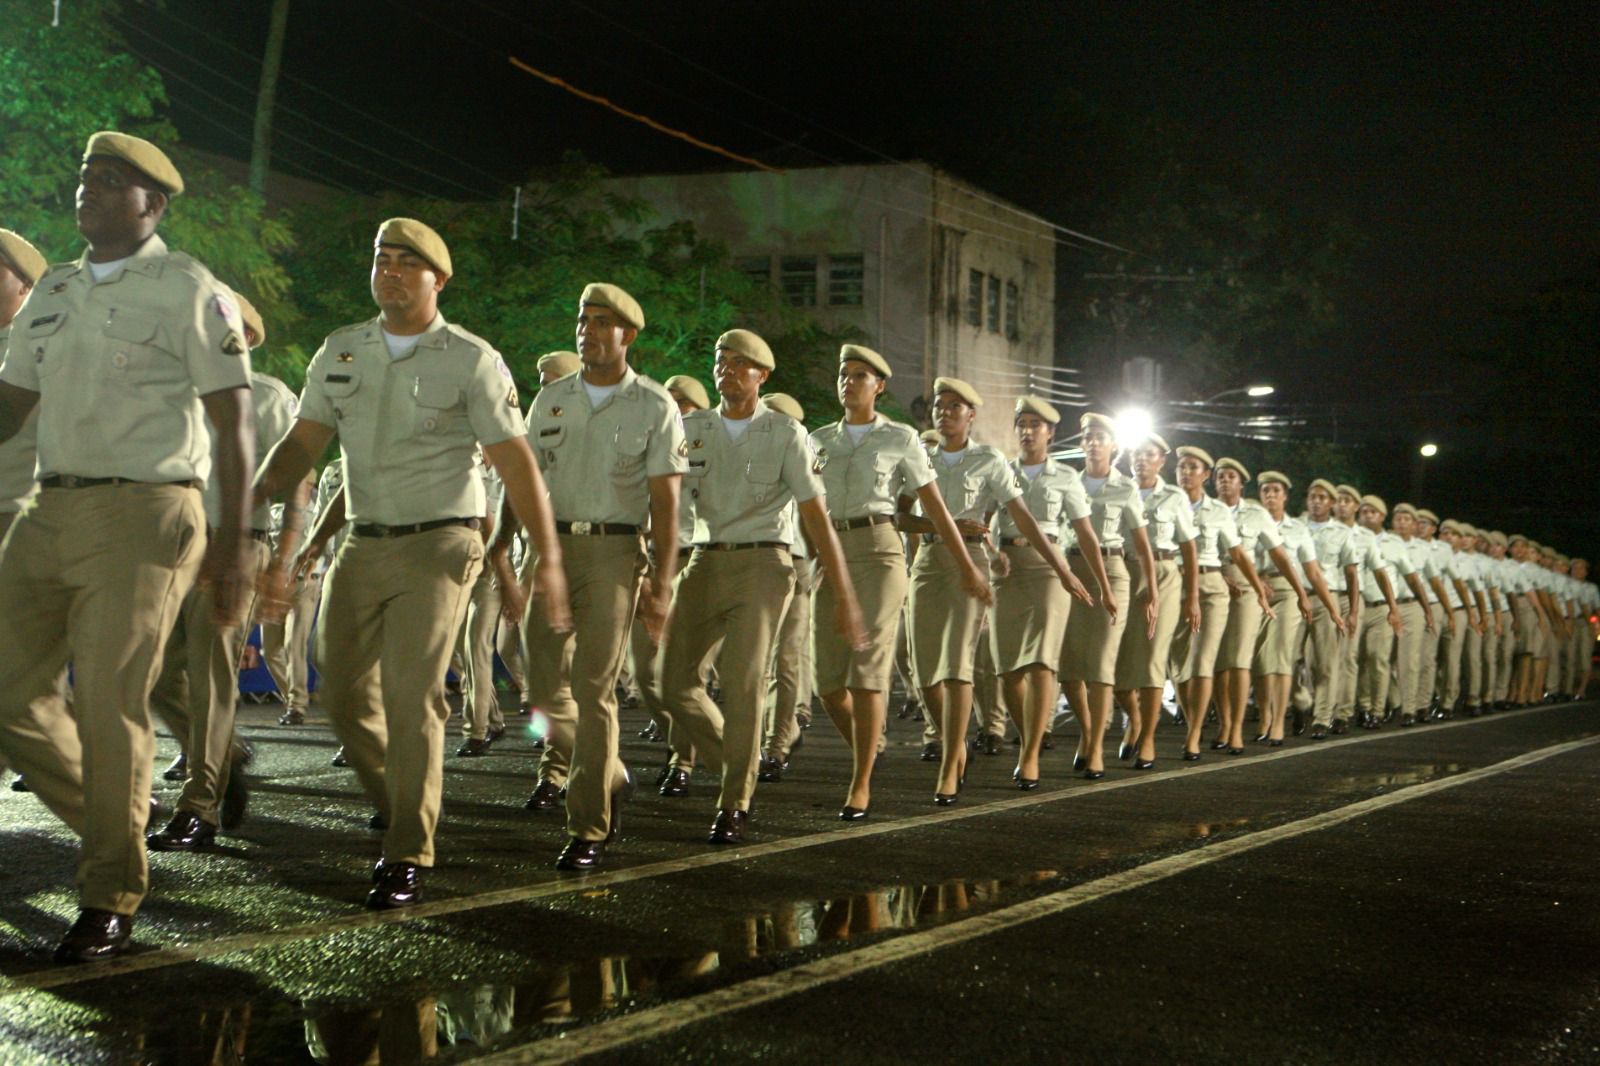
(1134, 426)
(1261, 390)
(1429, 451)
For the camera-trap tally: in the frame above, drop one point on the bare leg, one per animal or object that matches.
(1196, 697)
(1099, 716)
(868, 706)
(1127, 699)
(1031, 689)
(1078, 699)
(1238, 699)
(841, 713)
(952, 700)
(1149, 715)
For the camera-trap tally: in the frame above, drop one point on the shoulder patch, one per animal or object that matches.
(471, 338)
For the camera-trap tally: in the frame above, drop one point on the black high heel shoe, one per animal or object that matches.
(1124, 751)
(1079, 762)
(852, 814)
(1275, 743)
(1093, 775)
(1218, 745)
(1027, 784)
(941, 799)
(1144, 764)
(1191, 756)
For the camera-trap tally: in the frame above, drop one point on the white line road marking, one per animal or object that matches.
(181, 953)
(676, 1014)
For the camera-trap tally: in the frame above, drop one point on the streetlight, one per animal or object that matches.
(1429, 450)
(1134, 426)
(1255, 392)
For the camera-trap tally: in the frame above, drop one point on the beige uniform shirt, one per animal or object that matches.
(1115, 509)
(979, 483)
(1055, 498)
(1216, 533)
(597, 461)
(869, 478)
(1335, 551)
(275, 406)
(741, 488)
(1297, 540)
(1397, 561)
(409, 426)
(17, 458)
(329, 485)
(120, 365)
(1169, 519)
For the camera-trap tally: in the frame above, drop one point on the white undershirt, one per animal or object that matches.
(952, 458)
(399, 345)
(102, 271)
(736, 426)
(1144, 494)
(599, 394)
(1031, 471)
(857, 432)
(1092, 485)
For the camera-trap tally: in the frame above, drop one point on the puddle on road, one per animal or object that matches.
(1411, 775)
(453, 1021)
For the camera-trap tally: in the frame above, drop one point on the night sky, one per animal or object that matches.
(1462, 141)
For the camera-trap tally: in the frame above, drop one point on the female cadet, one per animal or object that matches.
(1278, 645)
(1089, 654)
(1196, 650)
(1030, 611)
(867, 464)
(974, 480)
(1143, 660)
(1257, 533)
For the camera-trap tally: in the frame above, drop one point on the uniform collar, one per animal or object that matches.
(148, 260)
(435, 336)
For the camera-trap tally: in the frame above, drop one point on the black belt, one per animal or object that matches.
(1211, 569)
(72, 481)
(933, 538)
(1018, 542)
(840, 525)
(1375, 603)
(1405, 599)
(742, 546)
(1103, 551)
(255, 534)
(598, 529)
(1165, 555)
(372, 529)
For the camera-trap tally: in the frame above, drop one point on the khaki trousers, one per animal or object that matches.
(391, 610)
(197, 693)
(1474, 663)
(737, 598)
(1408, 658)
(1451, 652)
(1325, 647)
(480, 704)
(1428, 680)
(1346, 691)
(1578, 658)
(1504, 658)
(790, 686)
(646, 655)
(284, 644)
(1377, 652)
(572, 676)
(95, 576)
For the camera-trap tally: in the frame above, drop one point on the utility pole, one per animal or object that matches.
(261, 140)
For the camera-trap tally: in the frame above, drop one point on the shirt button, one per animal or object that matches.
(429, 423)
(119, 360)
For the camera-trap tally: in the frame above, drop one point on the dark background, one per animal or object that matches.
(1462, 143)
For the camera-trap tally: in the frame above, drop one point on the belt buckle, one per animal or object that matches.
(583, 529)
(841, 525)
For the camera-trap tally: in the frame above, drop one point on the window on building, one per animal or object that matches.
(847, 275)
(992, 304)
(1013, 311)
(974, 297)
(798, 278)
(757, 268)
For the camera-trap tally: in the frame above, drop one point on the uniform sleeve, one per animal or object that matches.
(19, 367)
(314, 403)
(1347, 553)
(668, 452)
(1268, 538)
(1402, 562)
(1131, 514)
(1074, 501)
(1183, 527)
(1227, 536)
(916, 469)
(274, 418)
(492, 401)
(800, 473)
(210, 342)
(1305, 549)
(1003, 487)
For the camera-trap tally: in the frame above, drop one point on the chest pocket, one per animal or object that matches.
(1052, 506)
(971, 491)
(694, 477)
(762, 473)
(439, 406)
(341, 389)
(546, 440)
(39, 332)
(631, 443)
(132, 343)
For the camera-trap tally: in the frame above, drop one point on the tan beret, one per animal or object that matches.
(1159, 441)
(1274, 477)
(1494, 536)
(865, 355)
(417, 236)
(929, 436)
(1404, 508)
(960, 388)
(1461, 527)
(1094, 418)
(1235, 465)
(1189, 451)
(1450, 525)
(1032, 405)
(252, 319)
(748, 344)
(1324, 484)
(559, 364)
(23, 257)
(139, 154)
(691, 389)
(1376, 503)
(785, 404)
(1427, 516)
(1350, 491)
(1516, 537)
(604, 294)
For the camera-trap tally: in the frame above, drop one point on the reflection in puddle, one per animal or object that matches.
(1201, 830)
(1414, 775)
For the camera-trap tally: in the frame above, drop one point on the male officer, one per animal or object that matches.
(790, 684)
(746, 463)
(410, 397)
(125, 352)
(21, 266)
(610, 444)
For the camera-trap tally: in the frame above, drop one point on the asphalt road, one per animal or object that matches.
(1425, 895)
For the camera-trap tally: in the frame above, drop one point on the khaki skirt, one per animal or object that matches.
(945, 621)
(1529, 638)
(1238, 649)
(1142, 661)
(1278, 642)
(876, 560)
(1089, 652)
(1195, 654)
(1029, 617)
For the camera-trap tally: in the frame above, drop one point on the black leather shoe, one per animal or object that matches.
(1079, 762)
(1407, 721)
(1191, 756)
(176, 770)
(651, 732)
(675, 785)
(292, 717)
(235, 797)
(1027, 784)
(1093, 775)
(771, 769)
(19, 785)
(537, 744)
(1048, 742)
(546, 796)
(1124, 752)
(1235, 751)
(581, 855)
(1340, 728)
(1218, 745)
(989, 744)
(932, 751)
(1144, 764)
(1274, 743)
(729, 827)
(943, 799)
(1319, 732)
(852, 814)
(399, 885)
(494, 733)
(186, 832)
(379, 821)
(95, 935)
(1298, 717)
(1262, 738)
(619, 799)
(339, 759)
(473, 748)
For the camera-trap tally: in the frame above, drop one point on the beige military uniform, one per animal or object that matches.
(197, 690)
(1410, 661)
(120, 366)
(789, 685)
(1089, 651)
(284, 645)
(646, 656)
(1144, 661)
(18, 457)
(945, 621)
(1451, 567)
(736, 586)
(597, 462)
(864, 483)
(1258, 534)
(1326, 644)
(1364, 545)
(394, 601)
(1278, 639)
(1378, 642)
(1194, 654)
(1029, 618)
(1513, 605)
(480, 704)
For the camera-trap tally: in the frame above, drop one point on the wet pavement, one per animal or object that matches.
(1425, 895)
